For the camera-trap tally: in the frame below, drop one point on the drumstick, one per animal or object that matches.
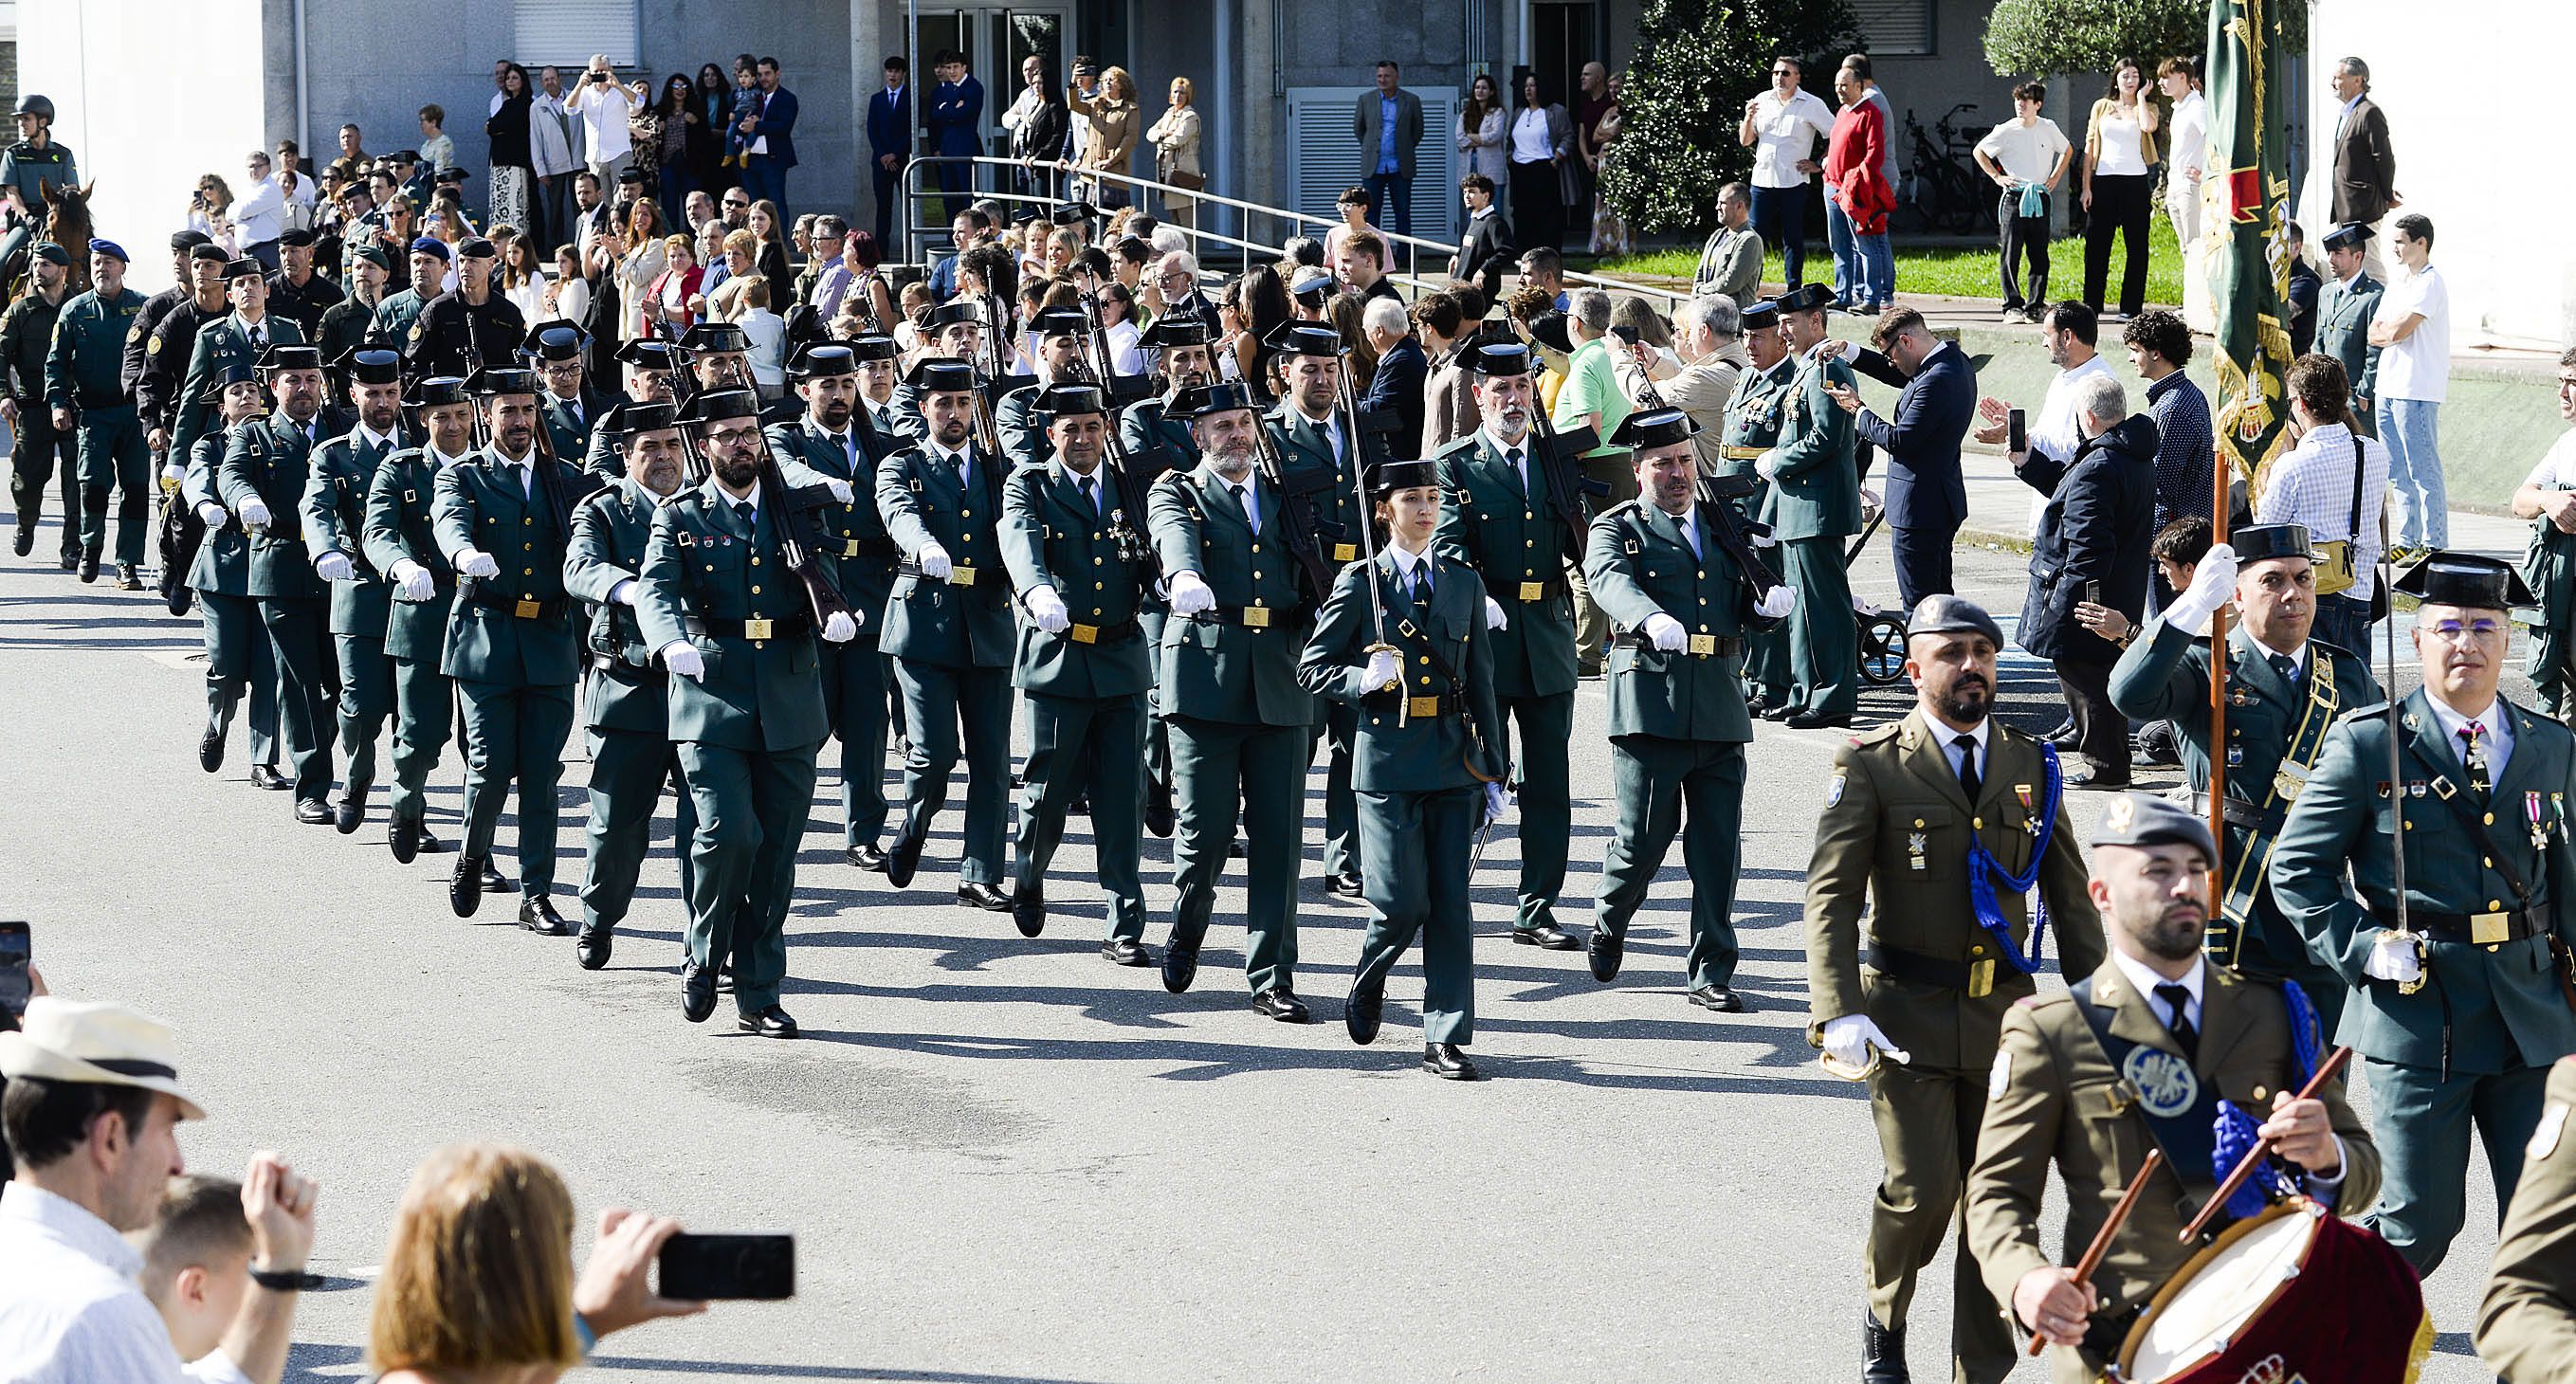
(2101, 1245)
(2262, 1148)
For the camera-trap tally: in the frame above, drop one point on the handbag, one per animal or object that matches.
(1182, 178)
(2334, 557)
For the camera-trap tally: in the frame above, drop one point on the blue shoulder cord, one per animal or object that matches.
(2235, 1128)
(1984, 870)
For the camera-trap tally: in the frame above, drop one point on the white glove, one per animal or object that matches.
(1776, 602)
(335, 566)
(1495, 619)
(213, 515)
(933, 562)
(1498, 800)
(1382, 673)
(1666, 631)
(174, 472)
(840, 627)
(840, 489)
(1190, 594)
(622, 593)
(1761, 536)
(1767, 465)
(1849, 1039)
(683, 658)
(254, 513)
(474, 562)
(1047, 609)
(2213, 584)
(2393, 957)
(415, 581)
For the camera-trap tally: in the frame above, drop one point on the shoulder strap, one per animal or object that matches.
(2187, 1134)
(2360, 463)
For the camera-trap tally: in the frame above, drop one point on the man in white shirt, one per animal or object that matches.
(2176, 78)
(1781, 127)
(2027, 157)
(2070, 334)
(2413, 333)
(554, 146)
(604, 104)
(259, 216)
(2315, 485)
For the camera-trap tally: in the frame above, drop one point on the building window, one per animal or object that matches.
(1888, 28)
(565, 33)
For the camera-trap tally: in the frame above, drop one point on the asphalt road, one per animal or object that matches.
(1002, 1159)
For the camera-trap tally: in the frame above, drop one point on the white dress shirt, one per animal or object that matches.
(2492, 728)
(1785, 132)
(2312, 485)
(1406, 561)
(70, 1312)
(260, 217)
(1978, 735)
(2190, 134)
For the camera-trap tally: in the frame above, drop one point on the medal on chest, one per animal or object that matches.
(2164, 1082)
(1915, 841)
(2539, 827)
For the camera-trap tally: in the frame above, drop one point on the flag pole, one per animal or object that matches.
(2219, 476)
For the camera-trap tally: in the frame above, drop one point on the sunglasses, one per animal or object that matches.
(730, 202)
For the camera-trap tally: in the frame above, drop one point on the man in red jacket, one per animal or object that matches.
(1858, 196)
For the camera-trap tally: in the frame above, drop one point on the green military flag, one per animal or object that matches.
(2247, 198)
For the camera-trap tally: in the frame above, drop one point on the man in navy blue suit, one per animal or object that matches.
(890, 144)
(771, 128)
(1926, 497)
(956, 127)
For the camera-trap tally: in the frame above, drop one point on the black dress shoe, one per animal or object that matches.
(1882, 1353)
(2104, 779)
(1345, 884)
(1719, 998)
(1813, 720)
(697, 992)
(2063, 737)
(25, 540)
(1781, 712)
(866, 856)
(1126, 951)
(1081, 805)
(71, 559)
(772, 1022)
(724, 979)
(312, 812)
(1362, 1011)
(127, 579)
(1547, 937)
(430, 845)
(1160, 819)
(1448, 1062)
(905, 857)
(1028, 910)
(1278, 1004)
(404, 836)
(352, 809)
(465, 886)
(1605, 952)
(985, 897)
(494, 882)
(1180, 965)
(210, 749)
(266, 776)
(88, 566)
(591, 948)
(537, 914)
(1234, 850)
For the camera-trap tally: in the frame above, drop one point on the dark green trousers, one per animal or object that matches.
(1418, 845)
(424, 717)
(1539, 752)
(516, 734)
(1217, 765)
(751, 807)
(2422, 1125)
(859, 694)
(2273, 949)
(1340, 731)
(366, 701)
(627, 771)
(1657, 781)
(113, 457)
(936, 701)
(1824, 635)
(1927, 1122)
(302, 651)
(239, 661)
(1099, 743)
(38, 455)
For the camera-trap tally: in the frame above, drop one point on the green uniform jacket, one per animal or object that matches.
(1021, 425)
(1411, 754)
(952, 623)
(1512, 539)
(2055, 1098)
(1753, 419)
(221, 343)
(396, 316)
(2527, 1324)
(1052, 536)
(1895, 834)
(1155, 443)
(2500, 1004)
(759, 695)
(1815, 487)
(85, 363)
(2343, 331)
(335, 519)
(31, 170)
(854, 546)
(222, 564)
(398, 528)
(26, 336)
(1639, 564)
(610, 532)
(1306, 453)
(479, 506)
(1212, 670)
(269, 459)
(569, 436)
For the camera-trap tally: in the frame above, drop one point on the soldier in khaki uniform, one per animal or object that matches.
(1913, 814)
(2187, 1032)
(2527, 1324)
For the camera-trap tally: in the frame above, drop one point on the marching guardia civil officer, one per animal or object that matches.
(948, 629)
(1501, 519)
(736, 629)
(1239, 720)
(1753, 420)
(503, 517)
(952, 331)
(626, 710)
(2527, 1322)
(2140, 1055)
(1077, 553)
(84, 391)
(1321, 458)
(1678, 605)
(335, 521)
(1157, 440)
(2459, 1016)
(1415, 657)
(262, 481)
(644, 367)
(2284, 692)
(241, 337)
(400, 544)
(1937, 827)
(239, 658)
(1020, 420)
(554, 350)
(1815, 505)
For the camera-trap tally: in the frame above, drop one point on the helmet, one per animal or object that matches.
(36, 105)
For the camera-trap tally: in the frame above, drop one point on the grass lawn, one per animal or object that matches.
(1957, 272)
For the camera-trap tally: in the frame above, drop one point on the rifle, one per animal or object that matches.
(797, 544)
(1718, 495)
(1131, 544)
(1566, 484)
(482, 435)
(684, 380)
(1297, 519)
(987, 436)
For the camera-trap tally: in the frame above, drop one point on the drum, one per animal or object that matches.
(2292, 1293)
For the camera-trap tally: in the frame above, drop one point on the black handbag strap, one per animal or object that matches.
(2360, 464)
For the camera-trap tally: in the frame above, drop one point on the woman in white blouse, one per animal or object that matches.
(1541, 137)
(1175, 138)
(1484, 130)
(2119, 188)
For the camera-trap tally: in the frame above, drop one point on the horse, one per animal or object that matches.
(66, 223)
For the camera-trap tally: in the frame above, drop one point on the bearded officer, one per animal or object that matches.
(1077, 553)
(2197, 1044)
(1157, 440)
(399, 543)
(1814, 505)
(1020, 420)
(239, 658)
(1501, 519)
(644, 366)
(1937, 826)
(262, 481)
(2458, 1017)
(335, 520)
(1753, 419)
(749, 719)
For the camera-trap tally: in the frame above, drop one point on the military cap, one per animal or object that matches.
(1174, 329)
(1060, 322)
(1027, 216)
(1944, 614)
(717, 405)
(436, 391)
(2144, 819)
(189, 240)
(1062, 399)
(476, 247)
(299, 236)
(108, 247)
(375, 253)
(1654, 427)
(1805, 298)
(351, 188)
(1388, 477)
(52, 253)
(626, 420)
(370, 365)
(493, 382)
(2351, 235)
(429, 245)
(1548, 330)
(2263, 542)
(243, 268)
(1224, 396)
(1759, 316)
(208, 250)
(451, 175)
(939, 375)
(631, 175)
(1070, 214)
(715, 338)
(1311, 284)
(555, 340)
(291, 357)
(239, 372)
(869, 346)
(949, 314)
(822, 360)
(1305, 339)
(2465, 579)
(411, 156)
(646, 352)
(1496, 358)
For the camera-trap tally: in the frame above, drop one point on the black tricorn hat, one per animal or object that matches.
(939, 375)
(626, 420)
(2264, 542)
(495, 381)
(2465, 579)
(559, 339)
(717, 405)
(1062, 399)
(1305, 339)
(1655, 427)
(370, 365)
(822, 359)
(1494, 358)
(1222, 397)
(438, 390)
(1388, 477)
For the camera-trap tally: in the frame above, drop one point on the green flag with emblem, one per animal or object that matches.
(2245, 206)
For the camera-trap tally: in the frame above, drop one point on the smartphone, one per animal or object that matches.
(2017, 432)
(14, 988)
(705, 1268)
(600, 78)
(2092, 593)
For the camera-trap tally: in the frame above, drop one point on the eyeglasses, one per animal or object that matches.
(2457, 632)
(726, 437)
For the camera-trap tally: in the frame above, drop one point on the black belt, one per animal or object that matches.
(1525, 592)
(988, 582)
(523, 609)
(2239, 813)
(779, 627)
(1250, 617)
(2476, 929)
(627, 672)
(1118, 633)
(1416, 708)
(861, 547)
(1700, 645)
(1938, 972)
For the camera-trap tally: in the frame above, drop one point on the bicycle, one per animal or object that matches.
(1945, 189)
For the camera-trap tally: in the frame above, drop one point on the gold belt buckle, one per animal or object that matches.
(1703, 646)
(1256, 617)
(1533, 590)
(1346, 552)
(1422, 706)
(961, 576)
(1981, 979)
(526, 610)
(2487, 928)
(850, 548)
(1084, 634)
(758, 629)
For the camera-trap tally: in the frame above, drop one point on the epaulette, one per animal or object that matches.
(2046, 1000)
(2370, 712)
(1461, 447)
(1879, 735)
(697, 498)
(1624, 507)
